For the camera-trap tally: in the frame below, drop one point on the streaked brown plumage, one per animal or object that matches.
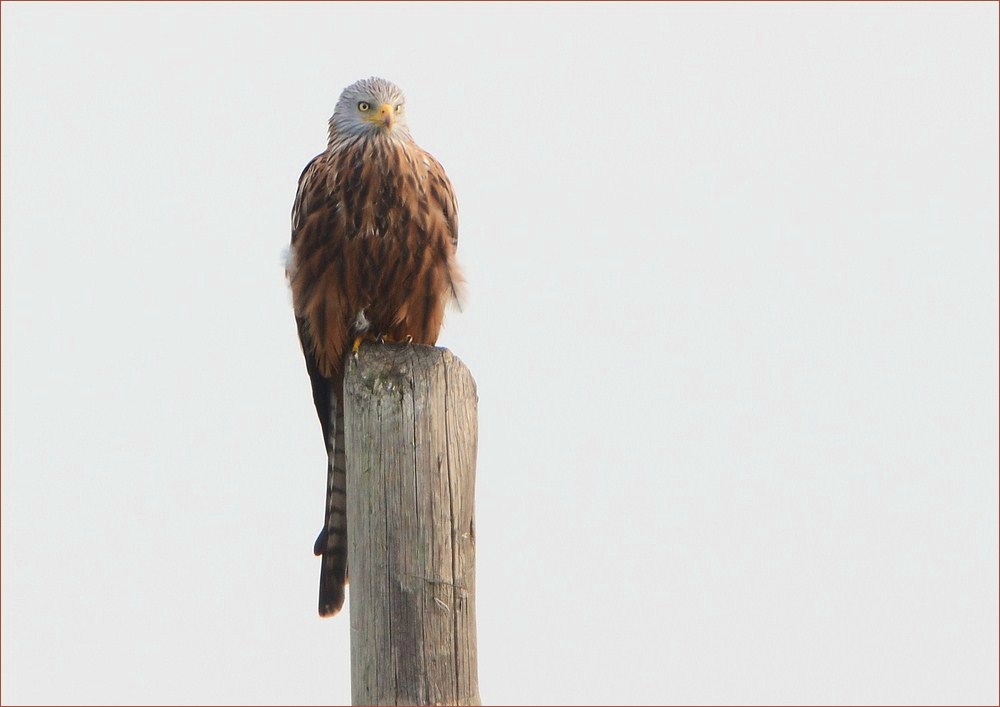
(374, 233)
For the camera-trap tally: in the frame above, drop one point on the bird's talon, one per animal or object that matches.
(357, 343)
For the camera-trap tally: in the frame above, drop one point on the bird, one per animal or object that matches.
(372, 255)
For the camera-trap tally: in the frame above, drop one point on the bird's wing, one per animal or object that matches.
(310, 222)
(440, 189)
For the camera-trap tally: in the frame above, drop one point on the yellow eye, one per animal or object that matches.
(364, 107)
(399, 108)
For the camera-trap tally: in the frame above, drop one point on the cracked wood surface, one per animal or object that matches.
(411, 433)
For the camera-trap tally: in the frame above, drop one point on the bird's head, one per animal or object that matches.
(369, 107)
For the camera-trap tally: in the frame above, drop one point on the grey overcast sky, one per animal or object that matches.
(732, 312)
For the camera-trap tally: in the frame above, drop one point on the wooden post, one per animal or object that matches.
(410, 427)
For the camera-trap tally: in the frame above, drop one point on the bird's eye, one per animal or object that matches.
(399, 108)
(363, 107)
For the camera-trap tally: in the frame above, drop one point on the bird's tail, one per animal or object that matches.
(332, 541)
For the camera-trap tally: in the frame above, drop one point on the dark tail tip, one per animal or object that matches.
(332, 604)
(332, 581)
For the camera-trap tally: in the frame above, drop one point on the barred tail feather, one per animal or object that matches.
(332, 542)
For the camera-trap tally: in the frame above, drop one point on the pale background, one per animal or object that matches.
(733, 318)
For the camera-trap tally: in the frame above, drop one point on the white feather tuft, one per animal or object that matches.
(361, 322)
(288, 256)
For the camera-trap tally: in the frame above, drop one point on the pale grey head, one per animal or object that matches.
(370, 107)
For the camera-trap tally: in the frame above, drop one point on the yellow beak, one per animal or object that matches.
(386, 115)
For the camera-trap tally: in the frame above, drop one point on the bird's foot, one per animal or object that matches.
(380, 339)
(358, 340)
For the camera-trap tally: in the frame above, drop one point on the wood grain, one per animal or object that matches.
(411, 435)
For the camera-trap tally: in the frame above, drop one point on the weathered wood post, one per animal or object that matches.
(411, 435)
